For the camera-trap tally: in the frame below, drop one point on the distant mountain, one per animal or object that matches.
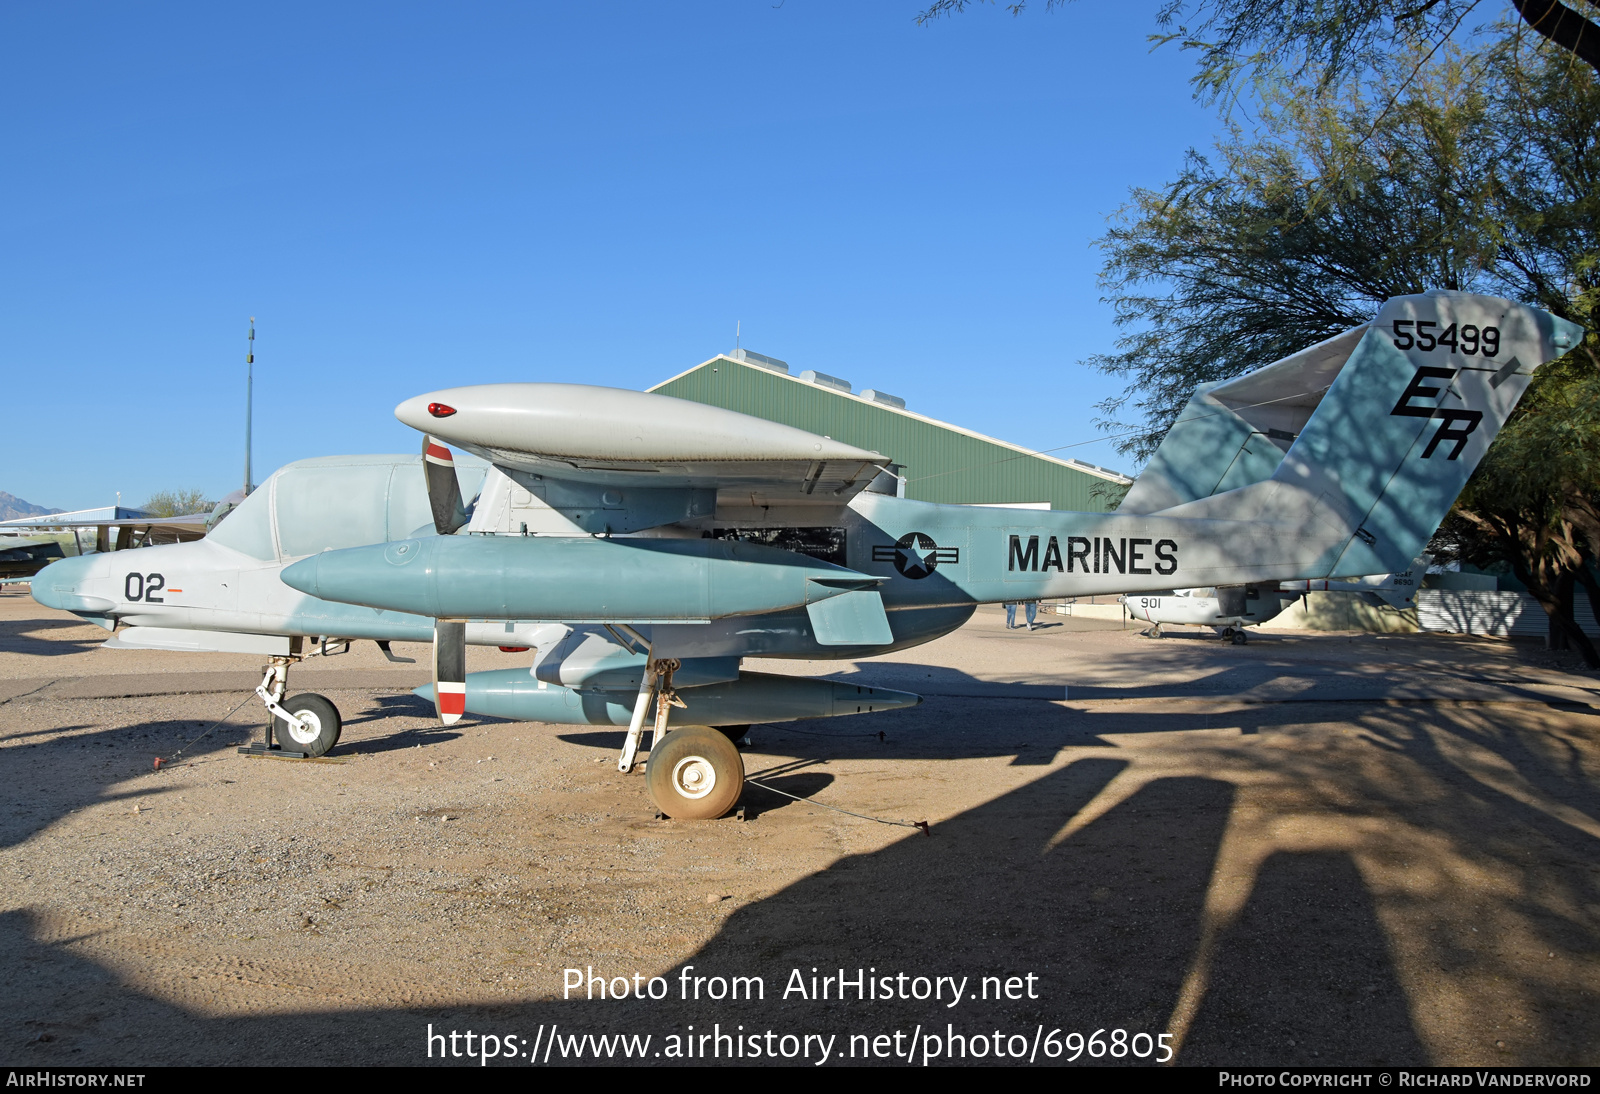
(13, 507)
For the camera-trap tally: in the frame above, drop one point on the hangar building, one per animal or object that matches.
(939, 462)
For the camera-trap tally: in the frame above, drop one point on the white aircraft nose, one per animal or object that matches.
(56, 586)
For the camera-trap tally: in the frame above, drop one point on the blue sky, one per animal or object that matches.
(410, 197)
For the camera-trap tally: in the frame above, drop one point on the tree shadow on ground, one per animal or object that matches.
(1107, 921)
(1098, 929)
(1305, 977)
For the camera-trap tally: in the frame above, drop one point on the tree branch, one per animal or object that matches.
(1563, 26)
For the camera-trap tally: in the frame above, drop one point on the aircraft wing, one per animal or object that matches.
(612, 460)
(193, 522)
(143, 529)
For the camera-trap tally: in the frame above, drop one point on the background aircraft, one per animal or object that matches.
(112, 527)
(1229, 610)
(645, 545)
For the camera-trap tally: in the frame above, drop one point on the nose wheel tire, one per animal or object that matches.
(322, 726)
(695, 773)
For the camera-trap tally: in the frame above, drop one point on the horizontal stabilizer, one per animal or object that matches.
(850, 619)
(1235, 432)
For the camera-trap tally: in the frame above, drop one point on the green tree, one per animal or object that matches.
(1291, 234)
(1327, 41)
(176, 503)
(1457, 172)
(1400, 149)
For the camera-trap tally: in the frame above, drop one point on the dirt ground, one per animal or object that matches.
(1334, 849)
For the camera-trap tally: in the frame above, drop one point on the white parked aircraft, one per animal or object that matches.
(1229, 610)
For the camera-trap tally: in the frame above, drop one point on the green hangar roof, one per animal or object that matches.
(941, 462)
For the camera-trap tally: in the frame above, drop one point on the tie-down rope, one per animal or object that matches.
(921, 826)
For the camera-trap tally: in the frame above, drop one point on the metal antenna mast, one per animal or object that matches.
(249, 396)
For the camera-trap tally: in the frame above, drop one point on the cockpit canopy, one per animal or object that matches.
(334, 502)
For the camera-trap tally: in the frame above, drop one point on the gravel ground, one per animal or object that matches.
(1340, 849)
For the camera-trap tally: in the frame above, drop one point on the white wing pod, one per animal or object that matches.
(604, 435)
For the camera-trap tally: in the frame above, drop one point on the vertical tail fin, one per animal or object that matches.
(1413, 411)
(1394, 438)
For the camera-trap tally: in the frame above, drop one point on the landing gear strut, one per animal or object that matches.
(657, 682)
(305, 726)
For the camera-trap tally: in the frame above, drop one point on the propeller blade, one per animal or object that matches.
(444, 490)
(450, 669)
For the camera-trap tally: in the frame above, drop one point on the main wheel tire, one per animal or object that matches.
(322, 726)
(695, 773)
(1239, 638)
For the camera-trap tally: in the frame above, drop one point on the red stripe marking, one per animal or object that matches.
(439, 452)
(452, 702)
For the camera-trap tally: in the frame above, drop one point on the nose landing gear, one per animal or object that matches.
(304, 726)
(317, 725)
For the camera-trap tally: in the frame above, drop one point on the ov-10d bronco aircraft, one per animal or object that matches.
(645, 545)
(1228, 611)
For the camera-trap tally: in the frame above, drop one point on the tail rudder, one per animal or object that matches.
(1412, 413)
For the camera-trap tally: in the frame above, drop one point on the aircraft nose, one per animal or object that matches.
(58, 584)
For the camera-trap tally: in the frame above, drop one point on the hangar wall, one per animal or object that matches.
(941, 462)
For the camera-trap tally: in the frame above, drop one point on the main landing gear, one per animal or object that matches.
(301, 727)
(1235, 635)
(694, 772)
